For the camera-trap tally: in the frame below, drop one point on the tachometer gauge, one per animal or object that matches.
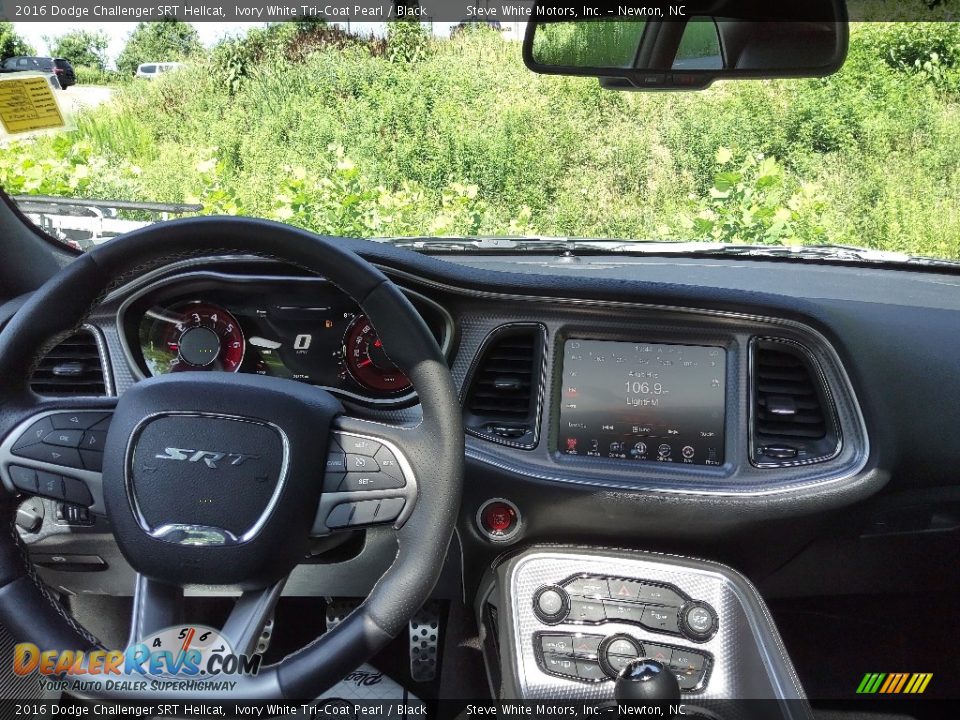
(192, 336)
(366, 360)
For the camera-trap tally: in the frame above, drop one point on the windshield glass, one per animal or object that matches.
(420, 129)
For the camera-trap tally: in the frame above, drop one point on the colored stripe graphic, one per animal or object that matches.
(894, 683)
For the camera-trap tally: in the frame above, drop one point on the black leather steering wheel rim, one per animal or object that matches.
(435, 449)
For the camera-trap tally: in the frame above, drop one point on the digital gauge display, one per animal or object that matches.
(643, 401)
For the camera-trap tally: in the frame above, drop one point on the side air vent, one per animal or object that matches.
(793, 419)
(503, 389)
(72, 368)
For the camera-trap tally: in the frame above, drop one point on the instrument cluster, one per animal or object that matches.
(301, 328)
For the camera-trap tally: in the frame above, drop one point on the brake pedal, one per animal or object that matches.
(425, 643)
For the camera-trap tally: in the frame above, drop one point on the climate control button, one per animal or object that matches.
(551, 604)
(698, 621)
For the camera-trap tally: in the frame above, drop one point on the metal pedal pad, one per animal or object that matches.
(425, 643)
(338, 609)
(263, 644)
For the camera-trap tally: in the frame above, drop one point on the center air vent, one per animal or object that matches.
(72, 368)
(503, 390)
(793, 420)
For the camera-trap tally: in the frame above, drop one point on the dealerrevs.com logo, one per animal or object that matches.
(179, 658)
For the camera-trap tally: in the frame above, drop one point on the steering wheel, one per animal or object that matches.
(219, 479)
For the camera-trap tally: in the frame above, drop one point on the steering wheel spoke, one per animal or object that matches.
(55, 450)
(369, 477)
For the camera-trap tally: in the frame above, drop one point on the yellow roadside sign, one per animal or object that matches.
(28, 103)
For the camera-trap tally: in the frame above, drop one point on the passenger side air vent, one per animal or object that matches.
(503, 389)
(72, 368)
(793, 420)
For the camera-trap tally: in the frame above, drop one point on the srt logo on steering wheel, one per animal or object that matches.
(210, 457)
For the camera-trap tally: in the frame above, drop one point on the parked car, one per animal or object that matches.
(48, 65)
(150, 71)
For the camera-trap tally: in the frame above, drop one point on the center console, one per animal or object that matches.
(561, 623)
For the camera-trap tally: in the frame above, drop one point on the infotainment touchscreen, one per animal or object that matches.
(643, 401)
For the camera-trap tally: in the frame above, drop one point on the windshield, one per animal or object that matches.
(416, 129)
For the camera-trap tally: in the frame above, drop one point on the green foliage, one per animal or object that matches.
(465, 140)
(81, 47)
(87, 75)
(11, 43)
(588, 45)
(407, 42)
(164, 41)
(752, 202)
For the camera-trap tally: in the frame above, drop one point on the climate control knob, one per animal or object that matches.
(698, 621)
(551, 604)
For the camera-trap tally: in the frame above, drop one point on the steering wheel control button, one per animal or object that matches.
(356, 481)
(359, 445)
(557, 644)
(361, 464)
(365, 512)
(34, 434)
(93, 440)
(332, 480)
(499, 520)
(336, 462)
(660, 619)
(24, 478)
(387, 463)
(78, 420)
(659, 595)
(92, 460)
(50, 485)
(588, 586)
(698, 621)
(53, 454)
(76, 492)
(551, 604)
(340, 516)
(64, 438)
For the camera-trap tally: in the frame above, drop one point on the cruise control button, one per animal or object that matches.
(68, 457)
(592, 586)
(354, 481)
(560, 665)
(621, 612)
(387, 462)
(590, 670)
(76, 492)
(361, 463)
(50, 485)
(78, 420)
(661, 654)
(93, 440)
(359, 446)
(64, 438)
(663, 619)
(336, 462)
(34, 434)
(585, 611)
(24, 478)
(659, 595)
(586, 645)
(557, 644)
(92, 460)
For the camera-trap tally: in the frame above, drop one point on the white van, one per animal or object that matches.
(152, 70)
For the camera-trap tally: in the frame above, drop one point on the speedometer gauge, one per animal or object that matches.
(366, 360)
(192, 336)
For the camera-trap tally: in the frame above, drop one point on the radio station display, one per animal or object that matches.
(643, 401)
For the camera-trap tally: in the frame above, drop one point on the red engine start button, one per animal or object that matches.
(499, 519)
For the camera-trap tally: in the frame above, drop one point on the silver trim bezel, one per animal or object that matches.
(226, 537)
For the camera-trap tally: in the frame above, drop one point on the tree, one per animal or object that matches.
(81, 47)
(12, 44)
(163, 41)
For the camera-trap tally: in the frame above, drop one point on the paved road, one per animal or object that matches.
(79, 97)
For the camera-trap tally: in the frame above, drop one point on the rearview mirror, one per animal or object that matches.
(689, 46)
